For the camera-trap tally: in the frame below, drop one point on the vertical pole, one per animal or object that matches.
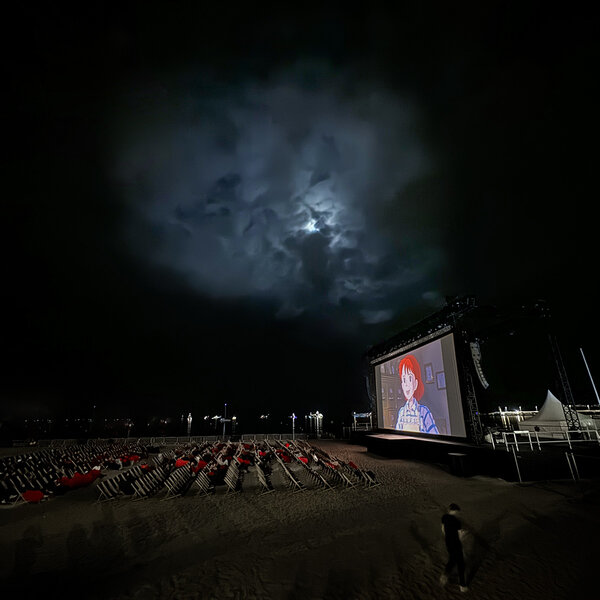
(570, 467)
(590, 374)
(574, 465)
(517, 464)
(571, 414)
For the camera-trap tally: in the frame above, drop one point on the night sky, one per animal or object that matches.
(207, 206)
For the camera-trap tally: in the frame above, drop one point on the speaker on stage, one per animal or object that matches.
(476, 354)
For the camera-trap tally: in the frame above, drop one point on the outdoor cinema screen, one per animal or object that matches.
(419, 391)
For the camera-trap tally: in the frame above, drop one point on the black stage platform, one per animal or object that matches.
(464, 459)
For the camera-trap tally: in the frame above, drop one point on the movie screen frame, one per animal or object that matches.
(429, 375)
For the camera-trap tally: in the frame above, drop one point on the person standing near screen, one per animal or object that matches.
(413, 416)
(453, 531)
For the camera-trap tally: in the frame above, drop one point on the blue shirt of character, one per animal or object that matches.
(416, 417)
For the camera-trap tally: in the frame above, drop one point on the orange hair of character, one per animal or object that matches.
(410, 363)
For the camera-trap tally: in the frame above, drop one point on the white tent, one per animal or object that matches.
(550, 418)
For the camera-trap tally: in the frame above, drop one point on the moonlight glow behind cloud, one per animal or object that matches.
(269, 192)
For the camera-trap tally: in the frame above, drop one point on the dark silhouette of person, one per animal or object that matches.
(452, 529)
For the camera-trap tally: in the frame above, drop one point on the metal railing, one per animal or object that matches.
(581, 436)
(517, 441)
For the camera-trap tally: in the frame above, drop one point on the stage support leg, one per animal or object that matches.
(517, 464)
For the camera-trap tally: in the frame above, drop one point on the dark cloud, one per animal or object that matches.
(199, 194)
(284, 210)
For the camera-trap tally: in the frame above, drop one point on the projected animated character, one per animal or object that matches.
(413, 416)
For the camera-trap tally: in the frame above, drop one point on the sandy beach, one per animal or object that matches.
(524, 541)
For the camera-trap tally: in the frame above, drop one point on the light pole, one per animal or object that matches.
(293, 417)
(264, 427)
(216, 420)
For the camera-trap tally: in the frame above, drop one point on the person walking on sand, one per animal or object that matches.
(453, 531)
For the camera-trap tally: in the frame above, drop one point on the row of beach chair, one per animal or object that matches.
(40, 472)
(302, 465)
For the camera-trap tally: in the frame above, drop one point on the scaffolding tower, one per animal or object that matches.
(568, 403)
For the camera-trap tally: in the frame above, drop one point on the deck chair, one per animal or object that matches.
(16, 497)
(318, 479)
(107, 490)
(232, 478)
(345, 480)
(369, 478)
(264, 481)
(293, 481)
(135, 472)
(330, 474)
(203, 483)
(8, 493)
(177, 483)
(143, 488)
(171, 485)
